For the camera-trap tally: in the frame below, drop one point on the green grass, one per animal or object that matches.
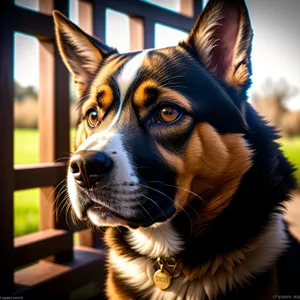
(26, 211)
(291, 148)
(26, 203)
(26, 148)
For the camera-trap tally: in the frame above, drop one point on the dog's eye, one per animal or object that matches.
(167, 114)
(92, 117)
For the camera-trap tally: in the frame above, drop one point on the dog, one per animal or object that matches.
(183, 172)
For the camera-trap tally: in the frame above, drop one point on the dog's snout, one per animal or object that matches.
(89, 167)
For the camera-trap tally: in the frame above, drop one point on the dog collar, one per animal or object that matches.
(167, 270)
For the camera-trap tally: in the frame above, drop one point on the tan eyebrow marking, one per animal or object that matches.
(106, 97)
(141, 96)
(175, 97)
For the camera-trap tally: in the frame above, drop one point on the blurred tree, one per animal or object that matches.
(22, 92)
(273, 105)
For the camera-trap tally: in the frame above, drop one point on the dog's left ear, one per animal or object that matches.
(222, 38)
(81, 53)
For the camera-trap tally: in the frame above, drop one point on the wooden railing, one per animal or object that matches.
(62, 269)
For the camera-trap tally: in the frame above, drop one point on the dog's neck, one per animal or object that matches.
(226, 269)
(156, 241)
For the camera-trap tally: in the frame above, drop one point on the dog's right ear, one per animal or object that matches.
(81, 53)
(222, 38)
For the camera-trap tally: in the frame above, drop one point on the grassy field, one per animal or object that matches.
(291, 148)
(26, 203)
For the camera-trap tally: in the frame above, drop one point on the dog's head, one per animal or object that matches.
(160, 128)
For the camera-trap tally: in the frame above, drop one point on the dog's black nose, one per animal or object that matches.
(89, 167)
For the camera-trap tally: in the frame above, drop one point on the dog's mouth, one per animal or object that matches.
(101, 216)
(120, 209)
(102, 212)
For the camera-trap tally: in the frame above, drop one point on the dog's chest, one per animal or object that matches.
(234, 269)
(138, 274)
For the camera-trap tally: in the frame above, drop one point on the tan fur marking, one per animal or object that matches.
(107, 97)
(173, 160)
(175, 97)
(112, 290)
(217, 160)
(141, 95)
(106, 71)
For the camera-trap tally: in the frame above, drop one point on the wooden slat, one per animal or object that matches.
(54, 125)
(91, 238)
(38, 245)
(149, 34)
(137, 8)
(85, 11)
(44, 174)
(187, 8)
(6, 142)
(46, 128)
(136, 27)
(99, 20)
(58, 280)
(198, 4)
(40, 25)
(46, 7)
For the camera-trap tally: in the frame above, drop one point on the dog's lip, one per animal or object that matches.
(103, 209)
(84, 210)
(104, 216)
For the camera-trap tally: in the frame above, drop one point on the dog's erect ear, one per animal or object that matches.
(222, 38)
(80, 52)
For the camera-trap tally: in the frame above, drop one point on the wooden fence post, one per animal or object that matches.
(6, 142)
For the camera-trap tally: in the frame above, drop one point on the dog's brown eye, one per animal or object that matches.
(167, 114)
(92, 117)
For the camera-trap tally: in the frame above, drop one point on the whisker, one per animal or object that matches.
(155, 204)
(179, 187)
(62, 158)
(158, 191)
(182, 188)
(151, 218)
(54, 190)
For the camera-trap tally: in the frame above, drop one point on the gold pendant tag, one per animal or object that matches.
(162, 279)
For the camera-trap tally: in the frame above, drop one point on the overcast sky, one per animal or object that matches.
(276, 48)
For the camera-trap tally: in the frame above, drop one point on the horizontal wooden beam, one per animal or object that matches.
(38, 245)
(137, 8)
(37, 175)
(34, 23)
(59, 280)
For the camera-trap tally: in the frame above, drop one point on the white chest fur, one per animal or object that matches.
(155, 241)
(233, 269)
